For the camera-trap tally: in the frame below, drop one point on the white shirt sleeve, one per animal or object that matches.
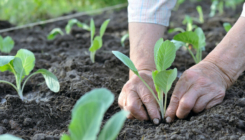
(243, 11)
(150, 11)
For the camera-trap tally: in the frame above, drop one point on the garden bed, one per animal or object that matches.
(46, 115)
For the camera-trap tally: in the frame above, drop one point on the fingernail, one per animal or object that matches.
(168, 120)
(156, 121)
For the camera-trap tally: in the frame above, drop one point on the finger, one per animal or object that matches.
(122, 99)
(151, 105)
(135, 106)
(217, 99)
(181, 87)
(131, 117)
(187, 102)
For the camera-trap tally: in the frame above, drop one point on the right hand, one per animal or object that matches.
(136, 98)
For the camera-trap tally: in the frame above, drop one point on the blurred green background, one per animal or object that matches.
(20, 12)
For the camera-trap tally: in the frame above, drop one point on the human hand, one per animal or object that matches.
(136, 98)
(200, 87)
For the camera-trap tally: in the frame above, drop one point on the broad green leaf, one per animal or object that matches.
(113, 126)
(9, 137)
(165, 79)
(178, 44)
(126, 61)
(103, 27)
(202, 38)
(157, 46)
(227, 27)
(28, 60)
(7, 44)
(92, 29)
(19, 69)
(78, 23)
(124, 38)
(54, 33)
(50, 79)
(164, 55)
(86, 120)
(154, 73)
(99, 95)
(5, 63)
(188, 37)
(65, 137)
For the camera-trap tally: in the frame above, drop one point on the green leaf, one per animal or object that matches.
(5, 63)
(113, 126)
(103, 27)
(92, 29)
(154, 74)
(126, 61)
(7, 44)
(96, 44)
(178, 44)
(124, 38)
(88, 112)
(227, 26)
(52, 35)
(164, 55)
(86, 120)
(165, 79)
(50, 79)
(199, 10)
(19, 69)
(188, 37)
(202, 38)
(78, 23)
(65, 137)
(9, 137)
(28, 60)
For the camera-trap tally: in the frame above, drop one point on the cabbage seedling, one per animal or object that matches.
(191, 39)
(227, 27)
(87, 115)
(199, 10)
(164, 55)
(21, 65)
(124, 37)
(96, 43)
(52, 35)
(6, 44)
(72, 22)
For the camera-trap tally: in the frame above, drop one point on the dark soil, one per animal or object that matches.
(46, 115)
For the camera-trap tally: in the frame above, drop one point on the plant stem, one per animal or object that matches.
(6, 82)
(149, 89)
(191, 54)
(27, 80)
(165, 104)
(161, 108)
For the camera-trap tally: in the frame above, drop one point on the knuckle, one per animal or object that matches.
(146, 98)
(175, 99)
(189, 74)
(185, 105)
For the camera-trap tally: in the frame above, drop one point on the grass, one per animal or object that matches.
(21, 12)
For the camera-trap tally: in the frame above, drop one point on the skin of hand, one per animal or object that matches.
(203, 85)
(135, 97)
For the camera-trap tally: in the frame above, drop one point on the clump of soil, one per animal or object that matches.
(46, 115)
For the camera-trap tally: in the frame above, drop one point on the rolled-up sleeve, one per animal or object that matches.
(243, 11)
(150, 11)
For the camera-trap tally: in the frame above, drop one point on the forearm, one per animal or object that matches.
(143, 37)
(229, 55)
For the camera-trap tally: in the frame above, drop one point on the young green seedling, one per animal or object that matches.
(164, 55)
(21, 65)
(6, 44)
(72, 22)
(199, 10)
(191, 39)
(126, 36)
(52, 35)
(227, 27)
(96, 43)
(88, 113)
